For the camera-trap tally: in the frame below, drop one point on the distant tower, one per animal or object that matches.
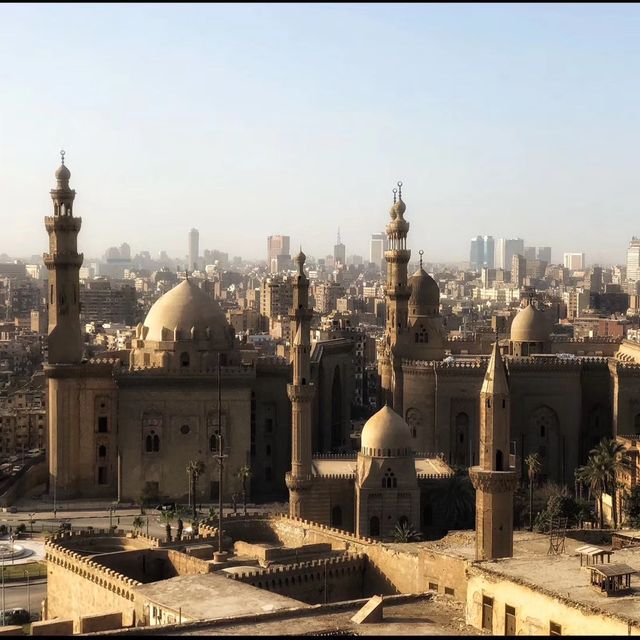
(494, 479)
(301, 392)
(398, 293)
(339, 252)
(63, 262)
(194, 248)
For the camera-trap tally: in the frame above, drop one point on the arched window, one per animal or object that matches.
(102, 451)
(156, 443)
(374, 526)
(414, 420)
(389, 481)
(336, 517)
(403, 521)
(499, 460)
(184, 359)
(213, 443)
(148, 444)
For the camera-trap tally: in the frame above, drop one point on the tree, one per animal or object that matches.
(138, 523)
(632, 506)
(168, 530)
(180, 529)
(404, 532)
(243, 474)
(534, 464)
(195, 469)
(457, 500)
(593, 475)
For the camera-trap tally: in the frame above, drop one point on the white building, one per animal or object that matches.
(574, 261)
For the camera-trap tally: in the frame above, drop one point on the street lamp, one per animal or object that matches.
(31, 515)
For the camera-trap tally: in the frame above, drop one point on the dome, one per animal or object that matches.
(184, 307)
(400, 207)
(530, 325)
(385, 434)
(62, 173)
(424, 291)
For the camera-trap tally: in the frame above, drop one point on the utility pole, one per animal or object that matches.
(220, 456)
(3, 603)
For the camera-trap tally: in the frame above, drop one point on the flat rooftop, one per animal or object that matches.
(562, 575)
(210, 596)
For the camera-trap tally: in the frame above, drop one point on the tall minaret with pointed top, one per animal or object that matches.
(300, 392)
(398, 293)
(63, 262)
(494, 479)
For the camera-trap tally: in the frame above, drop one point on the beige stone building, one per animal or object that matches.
(128, 423)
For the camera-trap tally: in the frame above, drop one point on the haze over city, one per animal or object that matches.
(244, 121)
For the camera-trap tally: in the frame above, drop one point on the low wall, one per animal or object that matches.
(327, 580)
(101, 622)
(52, 628)
(32, 477)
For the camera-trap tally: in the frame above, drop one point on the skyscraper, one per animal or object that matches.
(544, 254)
(574, 261)
(377, 247)
(489, 252)
(278, 253)
(633, 260)
(529, 253)
(339, 252)
(194, 245)
(476, 254)
(505, 250)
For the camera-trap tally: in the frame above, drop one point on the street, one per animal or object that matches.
(19, 595)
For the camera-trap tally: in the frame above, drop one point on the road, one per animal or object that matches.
(19, 595)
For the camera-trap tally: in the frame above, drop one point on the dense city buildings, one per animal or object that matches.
(574, 261)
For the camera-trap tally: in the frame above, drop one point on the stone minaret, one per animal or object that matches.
(398, 293)
(301, 392)
(63, 262)
(494, 479)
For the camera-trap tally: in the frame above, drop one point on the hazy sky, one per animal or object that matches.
(250, 120)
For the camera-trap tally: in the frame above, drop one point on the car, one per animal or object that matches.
(166, 506)
(13, 510)
(16, 616)
(65, 525)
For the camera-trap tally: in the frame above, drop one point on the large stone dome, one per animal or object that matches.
(530, 325)
(425, 293)
(185, 308)
(386, 434)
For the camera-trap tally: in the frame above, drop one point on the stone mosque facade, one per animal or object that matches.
(129, 422)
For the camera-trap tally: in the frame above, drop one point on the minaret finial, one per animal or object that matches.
(395, 191)
(421, 252)
(400, 189)
(62, 154)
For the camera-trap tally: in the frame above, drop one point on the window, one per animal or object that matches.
(102, 451)
(449, 591)
(102, 475)
(374, 526)
(184, 359)
(487, 613)
(184, 429)
(268, 425)
(509, 620)
(336, 517)
(103, 424)
(152, 442)
(555, 629)
(433, 586)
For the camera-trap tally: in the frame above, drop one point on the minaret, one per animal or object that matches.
(494, 478)
(63, 262)
(398, 293)
(301, 392)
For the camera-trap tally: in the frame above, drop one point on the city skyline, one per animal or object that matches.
(537, 143)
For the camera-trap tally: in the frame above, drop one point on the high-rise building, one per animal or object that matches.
(194, 242)
(489, 252)
(339, 252)
(574, 261)
(633, 260)
(377, 247)
(278, 253)
(529, 253)
(518, 270)
(544, 254)
(506, 248)
(476, 254)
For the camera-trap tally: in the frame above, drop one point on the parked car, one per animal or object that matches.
(16, 616)
(166, 506)
(65, 525)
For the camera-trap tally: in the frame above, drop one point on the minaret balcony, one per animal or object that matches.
(301, 392)
(298, 483)
(63, 258)
(401, 256)
(62, 223)
(493, 481)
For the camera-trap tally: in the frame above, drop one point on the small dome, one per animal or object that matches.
(530, 325)
(387, 432)
(400, 207)
(425, 292)
(184, 307)
(62, 173)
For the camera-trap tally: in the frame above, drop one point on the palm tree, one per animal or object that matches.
(594, 476)
(404, 532)
(243, 474)
(457, 500)
(195, 469)
(534, 464)
(613, 460)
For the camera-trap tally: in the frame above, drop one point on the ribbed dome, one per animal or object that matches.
(62, 173)
(185, 307)
(385, 434)
(425, 292)
(530, 325)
